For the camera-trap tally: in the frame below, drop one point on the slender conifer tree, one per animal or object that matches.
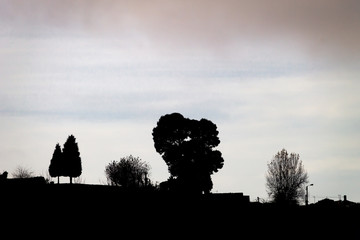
(55, 168)
(72, 159)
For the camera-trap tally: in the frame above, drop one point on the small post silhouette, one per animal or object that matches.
(307, 194)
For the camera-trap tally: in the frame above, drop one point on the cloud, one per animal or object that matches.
(326, 28)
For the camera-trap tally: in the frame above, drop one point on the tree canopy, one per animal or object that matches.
(285, 178)
(187, 147)
(129, 172)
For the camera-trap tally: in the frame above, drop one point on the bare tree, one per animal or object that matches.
(285, 178)
(22, 172)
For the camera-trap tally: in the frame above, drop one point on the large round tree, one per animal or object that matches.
(187, 147)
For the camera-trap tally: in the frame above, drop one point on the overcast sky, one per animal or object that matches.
(270, 74)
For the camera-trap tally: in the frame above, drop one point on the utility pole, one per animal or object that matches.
(307, 194)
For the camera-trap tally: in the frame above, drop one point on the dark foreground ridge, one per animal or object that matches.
(102, 208)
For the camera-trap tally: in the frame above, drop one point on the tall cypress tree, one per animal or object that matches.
(56, 162)
(72, 160)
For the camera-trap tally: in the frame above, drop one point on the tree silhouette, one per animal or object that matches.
(56, 163)
(22, 172)
(71, 158)
(285, 178)
(186, 145)
(129, 172)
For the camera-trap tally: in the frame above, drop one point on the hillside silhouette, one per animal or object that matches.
(109, 206)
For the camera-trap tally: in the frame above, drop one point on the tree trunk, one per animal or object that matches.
(58, 179)
(70, 180)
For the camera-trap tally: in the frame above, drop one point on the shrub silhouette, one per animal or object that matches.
(186, 145)
(129, 172)
(22, 172)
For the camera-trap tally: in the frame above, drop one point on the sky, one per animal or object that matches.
(270, 74)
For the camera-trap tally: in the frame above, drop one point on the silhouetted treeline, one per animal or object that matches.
(177, 208)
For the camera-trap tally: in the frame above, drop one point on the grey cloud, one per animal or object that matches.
(324, 27)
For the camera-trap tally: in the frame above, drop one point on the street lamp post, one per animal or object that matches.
(307, 194)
